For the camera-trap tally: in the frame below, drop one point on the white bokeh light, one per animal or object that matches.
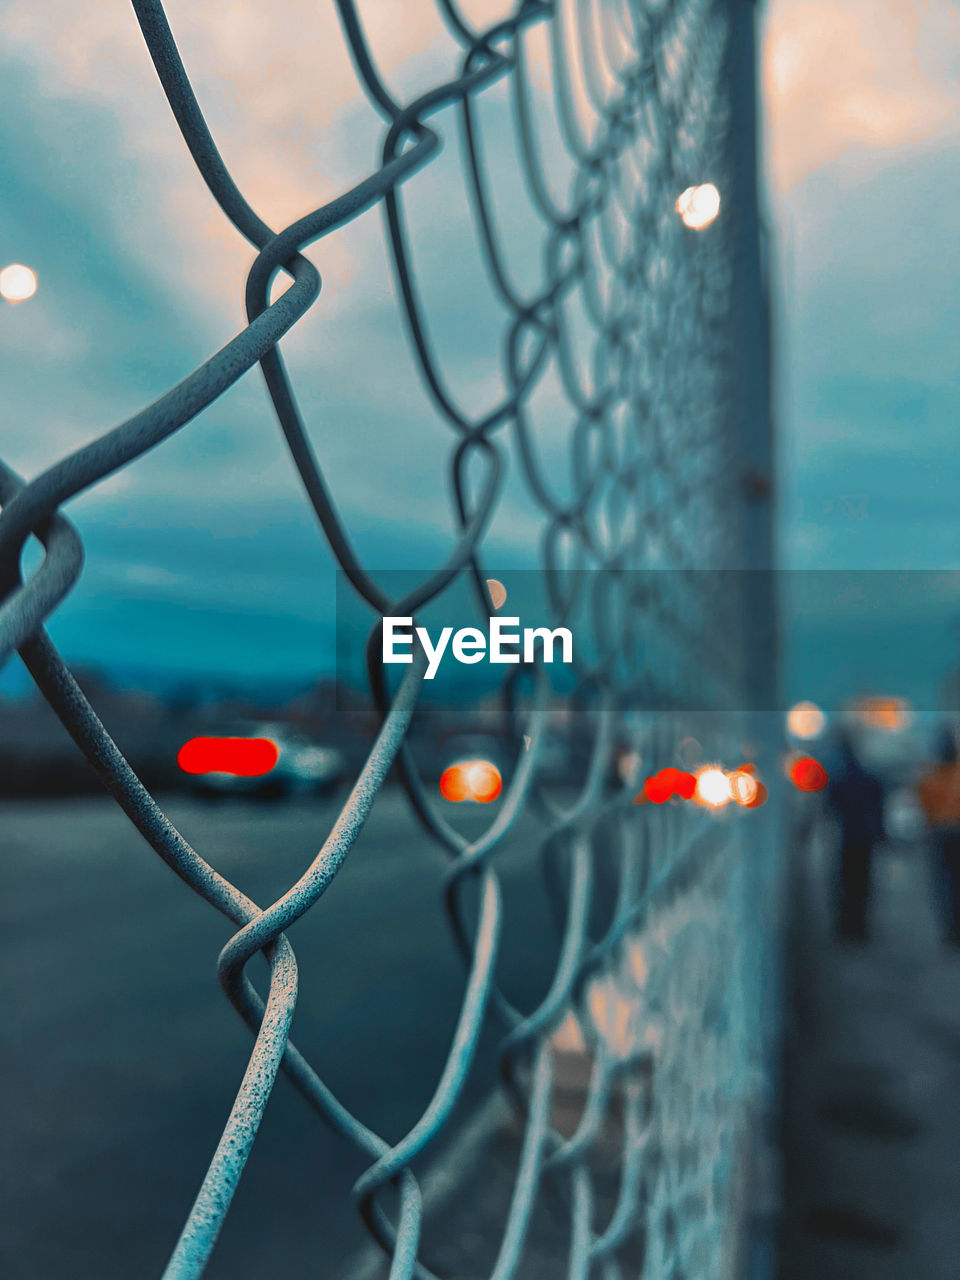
(713, 788)
(17, 283)
(698, 206)
(806, 720)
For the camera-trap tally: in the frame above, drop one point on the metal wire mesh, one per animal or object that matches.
(644, 98)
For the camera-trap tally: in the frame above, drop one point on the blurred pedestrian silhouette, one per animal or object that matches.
(939, 793)
(856, 799)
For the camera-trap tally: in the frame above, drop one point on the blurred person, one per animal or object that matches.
(856, 798)
(939, 795)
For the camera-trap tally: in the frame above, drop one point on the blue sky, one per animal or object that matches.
(863, 103)
(204, 553)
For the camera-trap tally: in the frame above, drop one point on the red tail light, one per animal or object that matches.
(243, 757)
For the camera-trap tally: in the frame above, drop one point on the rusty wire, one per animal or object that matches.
(641, 91)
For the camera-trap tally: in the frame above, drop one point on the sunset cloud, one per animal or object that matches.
(875, 74)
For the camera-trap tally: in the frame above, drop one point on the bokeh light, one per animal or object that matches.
(656, 790)
(806, 720)
(484, 781)
(698, 206)
(759, 798)
(685, 784)
(471, 780)
(808, 774)
(17, 283)
(743, 788)
(891, 714)
(713, 788)
(453, 784)
(663, 786)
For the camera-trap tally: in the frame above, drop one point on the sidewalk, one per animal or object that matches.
(872, 1125)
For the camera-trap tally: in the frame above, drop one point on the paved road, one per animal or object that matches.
(121, 1057)
(873, 1098)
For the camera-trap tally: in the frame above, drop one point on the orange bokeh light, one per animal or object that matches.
(744, 787)
(453, 783)
(884, 713)
(471, 780)
(808, 774)
(759, 799)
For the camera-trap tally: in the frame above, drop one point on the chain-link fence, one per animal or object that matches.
(656, 334)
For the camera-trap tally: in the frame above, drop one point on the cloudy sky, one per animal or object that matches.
(204, 553)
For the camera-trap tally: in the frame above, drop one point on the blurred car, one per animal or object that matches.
(302, 767)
